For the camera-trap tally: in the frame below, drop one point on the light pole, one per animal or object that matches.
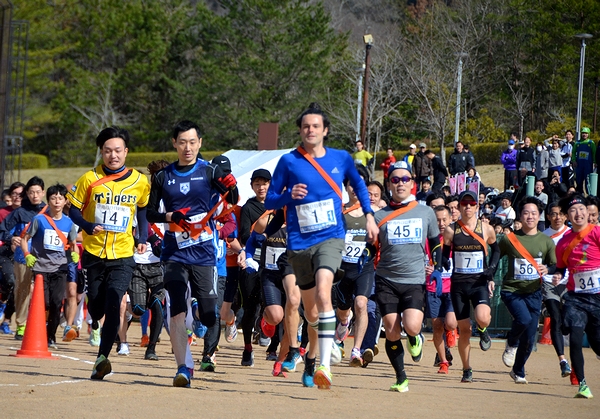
(368, 44)
(583, 37)
(361, 72)
(461, 55)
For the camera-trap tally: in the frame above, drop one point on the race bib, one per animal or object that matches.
(525, 271)
(405, 231)
(316, 216)
(184, 239)
(468, 262)
(352, 249)
(587, 282)
(271, 256)
(113, 218)
(52, 241)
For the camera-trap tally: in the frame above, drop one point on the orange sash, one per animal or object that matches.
(101, 181)
(559, 233)
(352, 208)
(521, 249)
(322, 172)
(475, 236)
(59, 233)
(575, 241)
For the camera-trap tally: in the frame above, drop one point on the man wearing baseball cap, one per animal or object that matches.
(409, 157)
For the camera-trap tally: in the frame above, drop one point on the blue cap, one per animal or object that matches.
(399, 165)
(511, 142)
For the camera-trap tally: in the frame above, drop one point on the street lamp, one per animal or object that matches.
(583, 37)
(461, 55)
(368, 39)
(361, 72)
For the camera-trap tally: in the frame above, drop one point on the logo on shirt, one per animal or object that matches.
(335, 170)
(197, 178)
(171, 182)
(184, 188)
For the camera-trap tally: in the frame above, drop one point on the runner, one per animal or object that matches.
(312, 177)
(186, 189)
(405, 229)
(103, 203)
(531, 255)
(551, 294)
(472, 281)
(579, 252)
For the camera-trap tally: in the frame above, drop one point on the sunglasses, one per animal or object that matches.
(468, 203)
(397, 179)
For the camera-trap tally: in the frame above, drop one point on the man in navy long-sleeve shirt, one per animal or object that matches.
(509, 161)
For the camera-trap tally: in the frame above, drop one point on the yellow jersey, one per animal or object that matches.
(113, 206)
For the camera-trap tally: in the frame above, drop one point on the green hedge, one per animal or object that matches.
(485, 153)
(28, 161)
(142, 159)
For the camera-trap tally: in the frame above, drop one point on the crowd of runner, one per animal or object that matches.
(321, 252)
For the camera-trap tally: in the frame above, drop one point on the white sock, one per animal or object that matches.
(326, 336)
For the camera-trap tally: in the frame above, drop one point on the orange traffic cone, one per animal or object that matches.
(546, 338)
(35, 339)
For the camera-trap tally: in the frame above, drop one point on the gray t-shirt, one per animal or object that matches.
(50, 260)
(403, 241)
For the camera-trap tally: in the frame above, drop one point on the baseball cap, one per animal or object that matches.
(422, 145)
(261, 173)
(511, 142)
(399, 165)
(464, 194)
(412, 146)
(585, 129)
(223, 162)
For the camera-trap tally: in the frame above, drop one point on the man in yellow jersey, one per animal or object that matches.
(103, 203)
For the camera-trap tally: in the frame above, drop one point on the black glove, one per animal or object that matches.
(366, 256)
(488, 274)
(155, 244)
(181, 220)
(446, 263)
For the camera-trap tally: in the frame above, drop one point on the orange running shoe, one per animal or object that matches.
(145, 341)
(450, 338)
(443, 368)
(573, 377)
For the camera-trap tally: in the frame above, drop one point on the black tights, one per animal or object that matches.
(554, 311)
(576, 345)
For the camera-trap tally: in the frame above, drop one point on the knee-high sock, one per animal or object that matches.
(395, 352)
(326, 335)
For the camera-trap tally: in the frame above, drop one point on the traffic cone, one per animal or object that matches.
(35, 339)
(546, 338)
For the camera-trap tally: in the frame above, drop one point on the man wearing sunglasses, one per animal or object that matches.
(472, 277)
(404, 230)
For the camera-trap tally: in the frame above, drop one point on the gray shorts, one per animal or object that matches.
(551, 292)
(305, 263)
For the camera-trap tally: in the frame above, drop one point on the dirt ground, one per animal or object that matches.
(60, 387)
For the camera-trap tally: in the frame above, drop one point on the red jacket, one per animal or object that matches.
(386, 165)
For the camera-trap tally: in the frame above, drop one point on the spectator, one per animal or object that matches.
(440, 173)
(554, 156)
(539, 194)
(387, 162)
(557, 188)
(425, 191)
(593, 206)
(541, 163)
(470, 157)
(458, 159)
(584, 158)
(422, 166)
(525, 160)
(505, 211)
(566, 150)
(447, 191)
(509, 161)
(472, 176)
(409, 157)
(362, 156)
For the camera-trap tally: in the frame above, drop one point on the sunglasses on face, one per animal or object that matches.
(468, 203)
(397, 179)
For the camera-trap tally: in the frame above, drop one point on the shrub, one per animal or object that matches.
(142, 159)
(28, 161)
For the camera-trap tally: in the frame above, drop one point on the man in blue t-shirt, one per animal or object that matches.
(308, 181)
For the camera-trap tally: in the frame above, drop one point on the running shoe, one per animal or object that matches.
(207, 364)
(584, 392)
(443, 368)
(565, 368)
(573, 378)
(322, 378)
(52, 344)
(356, 358)
(145, 341)
(400, 387)
(467, 376)
(292, 359)
(101, 369)
(436, 360)
(277, 370)
(309, 374)
(485, 342)
(416, 350)
(267, 329)
(20, 332)
(450, 338)
(182, 378)
(247, 358)
(449, 356)
(151, 355)
(367, 357)
(95, 337)
(199, 329)
(343, 330)
(5, 328)
(376, 350)
(124, 349)
(69, 334)
(231, 332)
(508, 356)
(518, 379)
(271, 356)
